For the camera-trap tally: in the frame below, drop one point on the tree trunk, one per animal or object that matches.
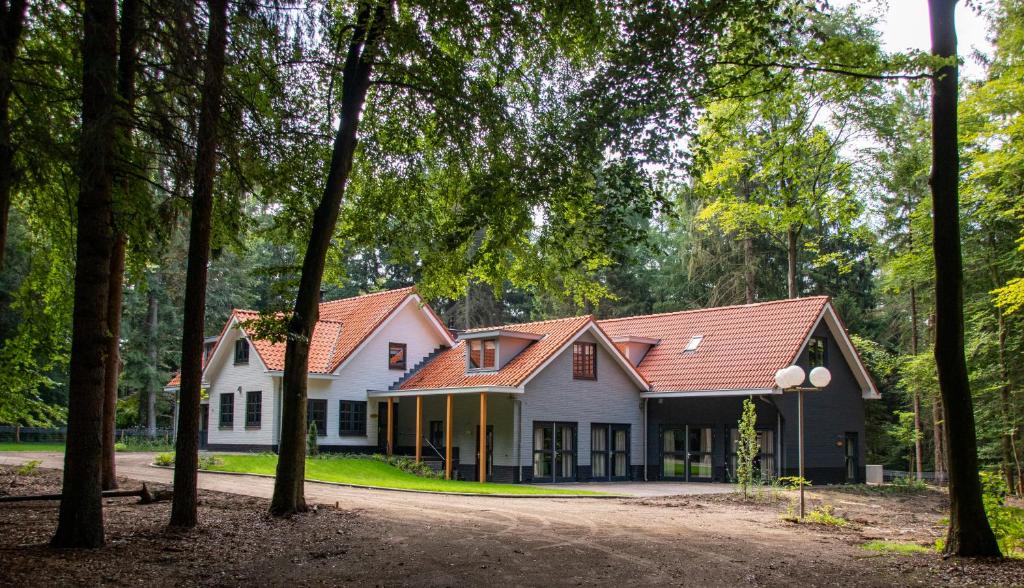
(289, 495)
(969, 531)
(184, 511)
(791, 237)
(939, 439)
(80, 522)
(749, 277)
(152, 342)
(914, 338)
(113, 361)
(10, 35)
(1005, 394)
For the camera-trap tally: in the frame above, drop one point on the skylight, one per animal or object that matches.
(694, 342)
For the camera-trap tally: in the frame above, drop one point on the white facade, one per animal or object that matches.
(365, 369)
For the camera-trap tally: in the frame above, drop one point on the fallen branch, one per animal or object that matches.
(145, 496)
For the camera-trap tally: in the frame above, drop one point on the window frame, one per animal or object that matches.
(320, 431)
(242, 343)
(405, 355)
(482, 343)
(353, 417)
(226, 424)
(579, 359)
(824, 351)
(250, 423)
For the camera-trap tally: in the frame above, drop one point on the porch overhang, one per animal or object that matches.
(444, 391)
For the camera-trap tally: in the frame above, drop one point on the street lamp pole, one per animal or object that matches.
(789, 379)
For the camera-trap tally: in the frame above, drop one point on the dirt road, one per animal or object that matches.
(427, 539)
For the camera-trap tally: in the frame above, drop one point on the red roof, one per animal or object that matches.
(448, 370)
(343, 326)
(742, 346)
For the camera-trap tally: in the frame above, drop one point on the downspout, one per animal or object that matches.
(645, 401)
(518, 413)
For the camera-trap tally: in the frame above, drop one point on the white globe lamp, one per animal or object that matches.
(820, 377)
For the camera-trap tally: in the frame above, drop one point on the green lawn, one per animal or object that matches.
(11, 446)
(370, 472)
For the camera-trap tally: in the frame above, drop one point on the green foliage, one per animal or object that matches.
(164, 459)
(896, 547)
(825, 515)
(312, 443)
(1007, 521)
(793, 482)
(747, 447)
(409, 465)
(28, 468)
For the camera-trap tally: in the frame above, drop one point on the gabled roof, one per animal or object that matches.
(343, 326)
(741, 349)
(448, 370)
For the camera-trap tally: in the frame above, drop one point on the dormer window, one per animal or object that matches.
(693, 344)
(241, 351)
(483, 354)
(584, 361)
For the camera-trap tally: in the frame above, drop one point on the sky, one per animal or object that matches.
(904, 25)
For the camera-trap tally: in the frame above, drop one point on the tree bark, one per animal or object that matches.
(749, 277)
(791, 240)
(80, 521)
(939, 439)
(289, 495)
(184, 511)
(152, 342)
(11, 27)
(112, 368)
(914, 340)
(969, 532)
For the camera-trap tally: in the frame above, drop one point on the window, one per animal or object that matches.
(584, 361)
(316, 412)
(241, 351)
(436, 435)
(693, 344)
(253, 409)
(483, 354)
(227, 411)
(396, 356)
(817, 352)
(353, 418)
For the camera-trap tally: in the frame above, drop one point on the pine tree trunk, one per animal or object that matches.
(113, 361)
(152, 342)
(10, 35)
(749, 277)
(184, 508)
(289, 495)
(914, 339)
(791, 237)
(969, 531)
(80, 521)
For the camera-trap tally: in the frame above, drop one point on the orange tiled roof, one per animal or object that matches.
(742, 348)
(343, 325)
(448, 370)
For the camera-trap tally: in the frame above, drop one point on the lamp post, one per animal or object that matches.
(790, 379)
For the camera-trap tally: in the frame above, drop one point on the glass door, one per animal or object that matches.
(764, 462)
(599, 451)
(852, 451)
(673, 453)
(698, 457)
(620, 452)
(609, 452)
(554, 452)
(565, 452)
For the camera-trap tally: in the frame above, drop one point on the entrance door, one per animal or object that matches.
(686, 453)
(382, 426)
(609, 452)
(204, 426)
(554, 452)
(852, 451)
(490, 454)
(673, 453)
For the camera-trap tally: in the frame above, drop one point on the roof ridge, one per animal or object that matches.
(554, 320)
(713, 308)
(367, 295)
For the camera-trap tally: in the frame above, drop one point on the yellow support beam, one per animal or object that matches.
(448, 438)
(483, 437)
(419, 429)
(391, 425)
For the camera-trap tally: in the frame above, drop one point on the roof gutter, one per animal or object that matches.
(445, 391)
(710, 393)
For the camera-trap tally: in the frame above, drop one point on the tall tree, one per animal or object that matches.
(184, 509)
(12, 22)
(80, 522)
(969, 531)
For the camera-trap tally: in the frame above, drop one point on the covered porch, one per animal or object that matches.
(443, 429)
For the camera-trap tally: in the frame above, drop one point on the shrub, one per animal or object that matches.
(825, 515)
(312, 445)
(408, 465)
(746, 449)
(793, 482)
(28, 468)
(1007, 522)
(908, 485)
(164, 459)
(208, 461)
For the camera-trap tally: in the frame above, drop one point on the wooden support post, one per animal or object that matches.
(419, 429)
(483, 437)
(448, 438)
(391, 425)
